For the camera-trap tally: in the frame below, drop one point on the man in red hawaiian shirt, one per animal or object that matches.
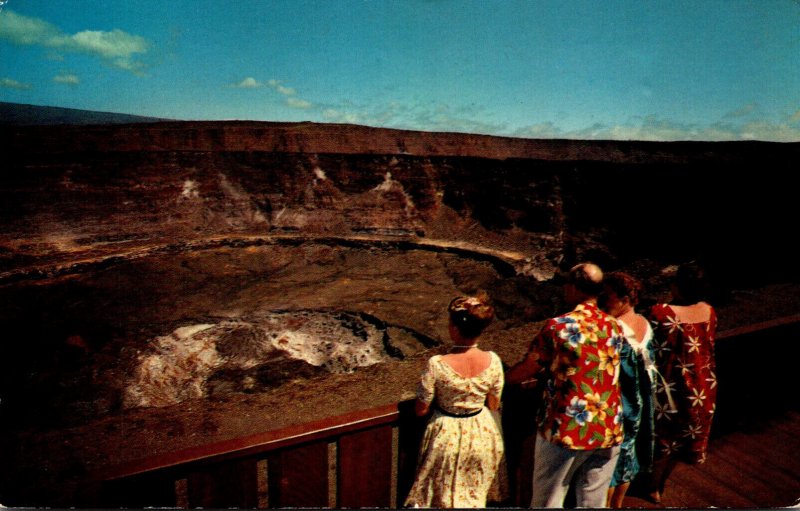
(575, 361)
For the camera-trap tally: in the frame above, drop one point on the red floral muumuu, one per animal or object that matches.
(687, 388)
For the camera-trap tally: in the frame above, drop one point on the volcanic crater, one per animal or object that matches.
(168, 284)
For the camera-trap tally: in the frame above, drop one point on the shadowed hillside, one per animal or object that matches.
(15, 114)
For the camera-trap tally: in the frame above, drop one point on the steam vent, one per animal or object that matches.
(170, 284)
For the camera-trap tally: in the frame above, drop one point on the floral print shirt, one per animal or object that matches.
(578, 358)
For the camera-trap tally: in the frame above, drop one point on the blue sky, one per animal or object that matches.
(604, 69)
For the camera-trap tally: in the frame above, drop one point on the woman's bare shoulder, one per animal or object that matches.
(699, 312)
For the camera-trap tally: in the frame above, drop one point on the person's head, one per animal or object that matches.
(584, 282)
(690, 284)
(620, 293)
(470, 315)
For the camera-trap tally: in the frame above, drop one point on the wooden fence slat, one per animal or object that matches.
(145, 490)
(519, 434)
(410, 431)
(298, 476)
(365, 468)
(224, 485)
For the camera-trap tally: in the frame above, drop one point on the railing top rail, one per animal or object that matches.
(259, 442)
(755, 327)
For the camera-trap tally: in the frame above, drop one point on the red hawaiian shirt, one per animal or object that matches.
(578, 357)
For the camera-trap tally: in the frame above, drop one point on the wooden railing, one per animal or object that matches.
(361, 459)
(368, 458)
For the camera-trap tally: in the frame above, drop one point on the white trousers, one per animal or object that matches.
(556, 468)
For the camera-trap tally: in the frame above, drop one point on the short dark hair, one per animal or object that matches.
(471, 314)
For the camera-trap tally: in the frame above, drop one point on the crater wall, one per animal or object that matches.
(75, 193)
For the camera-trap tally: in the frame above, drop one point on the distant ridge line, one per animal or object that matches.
(19, 114)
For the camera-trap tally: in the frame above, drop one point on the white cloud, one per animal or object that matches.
(67, 79)
(651, 128)
(441, 118)
(8, 83)
(770, 132)
(337, 116)
(27, 31)
(541, 130)
(252, 83)
(396, 115)
(111, 45)
(298, 103)
(117, 48)
(248, 83)
(278, 86)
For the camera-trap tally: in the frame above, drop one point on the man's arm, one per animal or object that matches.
(536, 360)
(525, 370)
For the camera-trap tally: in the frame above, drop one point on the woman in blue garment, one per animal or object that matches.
(637, 383)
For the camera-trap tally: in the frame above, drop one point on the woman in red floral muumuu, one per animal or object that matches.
(686, 395)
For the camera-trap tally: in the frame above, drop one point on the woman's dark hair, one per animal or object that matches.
(691, 283)
(623, 285)
(471, 314)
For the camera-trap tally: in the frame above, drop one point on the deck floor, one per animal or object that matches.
(757, 466)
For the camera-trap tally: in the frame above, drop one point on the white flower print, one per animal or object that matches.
(662, 386)
(669, 448)
(694, 344)
(684, 367)
(712, 380)
(572, 334)
(663, 411)
(578, 410)
(697, 398)
(661, 348)
(693, 430)
(673, 324)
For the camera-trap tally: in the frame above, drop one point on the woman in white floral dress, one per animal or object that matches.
(462, 447)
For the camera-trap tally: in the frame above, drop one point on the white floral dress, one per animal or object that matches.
(460, 457)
